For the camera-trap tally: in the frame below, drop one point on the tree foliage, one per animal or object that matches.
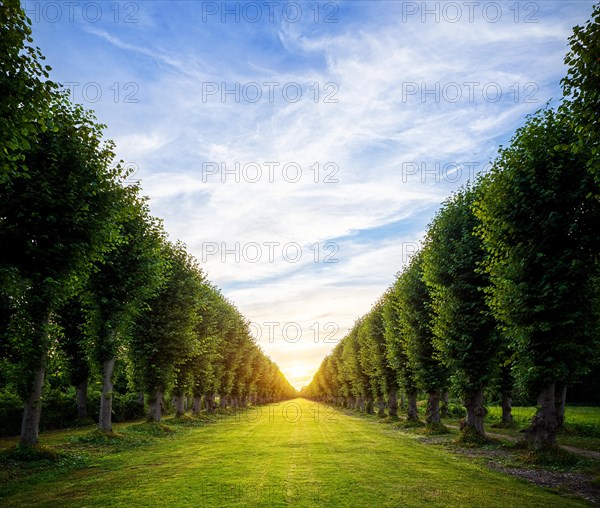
(543, 249)
(86, 274)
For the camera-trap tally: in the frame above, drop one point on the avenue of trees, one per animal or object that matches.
(91, 289)
(504, 292)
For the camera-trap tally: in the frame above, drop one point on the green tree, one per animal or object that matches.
(164, 334)
(231, 353)
(464, 328)
(383, 379)
(416, 333)
(540, 221)
(56, 220)
(205, 372)
(367, 362)
(581, 87)
(359, 381)
(26, 95)
(396, 352)
(72, 319)
(129, 274)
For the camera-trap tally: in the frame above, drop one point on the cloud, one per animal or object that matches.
(390, 82)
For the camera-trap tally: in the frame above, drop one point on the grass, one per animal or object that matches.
(582, 425)
(293, 454)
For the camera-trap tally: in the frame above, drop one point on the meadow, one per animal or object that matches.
(295, 453)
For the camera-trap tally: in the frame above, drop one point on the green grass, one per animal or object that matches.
(582, 425)
(293, 454)
(574, 415)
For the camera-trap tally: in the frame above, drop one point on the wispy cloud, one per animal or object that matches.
(383, 73)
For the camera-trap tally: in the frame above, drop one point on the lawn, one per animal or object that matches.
(293, 454)
(582, 425)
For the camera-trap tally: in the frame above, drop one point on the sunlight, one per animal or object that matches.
(298, 374)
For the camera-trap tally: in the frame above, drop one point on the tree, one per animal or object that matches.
(581, 88)
(416, 334)
(506, 382)
(72, 319)
(395, 350)
(342, 380)
(540, 221)
(243, 372)
(26, 95)
(122, 282)
(367, 361)
(231, 353)
(56, 220)
(214, 308)
(359, 381)
(164, 334)
(383, 379)
(463, 326)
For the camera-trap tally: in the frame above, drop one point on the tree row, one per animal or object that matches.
(504, 291)
(87, 274)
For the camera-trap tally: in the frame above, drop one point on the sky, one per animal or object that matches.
(299, 149)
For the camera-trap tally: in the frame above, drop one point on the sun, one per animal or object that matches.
(298, 374)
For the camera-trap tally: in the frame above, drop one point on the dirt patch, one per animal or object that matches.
(588, 454)
(580, 484)
(568, 482)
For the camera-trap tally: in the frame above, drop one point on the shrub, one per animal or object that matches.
(11, 413)
(456, 410)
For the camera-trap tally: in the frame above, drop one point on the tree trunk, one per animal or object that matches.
(33, 407)
(155, 413)
(369, 406)
(360, 403)
(380, 406)
(541, 434)
(412, 412)
(506, 403)
(393, 403)
(472, 426)
(209, 402)
(444, 410)
(432, 416)
(179, 405)
(82, 389)
(196, 405)
(105, 419)
(561, 404)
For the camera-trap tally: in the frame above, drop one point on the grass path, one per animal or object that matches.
(293, 454)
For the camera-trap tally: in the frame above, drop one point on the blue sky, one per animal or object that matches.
(344, 136)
